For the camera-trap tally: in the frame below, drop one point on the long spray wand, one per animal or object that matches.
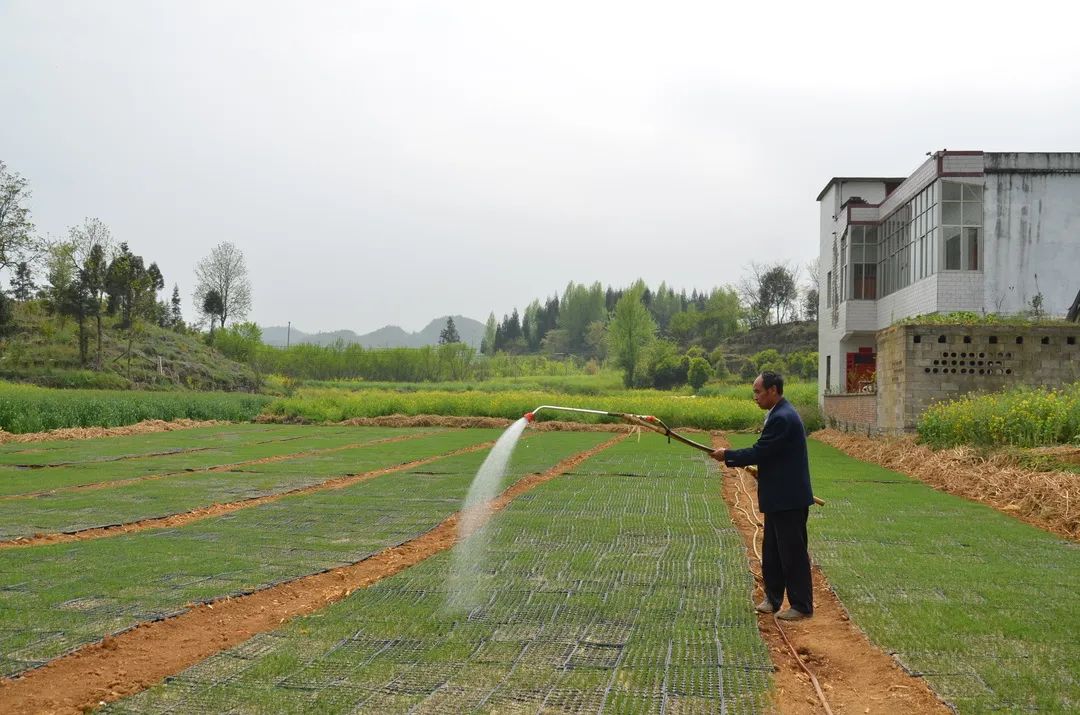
(648, 421)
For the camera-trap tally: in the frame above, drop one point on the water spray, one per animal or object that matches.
(648, 421)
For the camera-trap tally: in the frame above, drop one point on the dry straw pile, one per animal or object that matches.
(144, 427)
(1047, 499)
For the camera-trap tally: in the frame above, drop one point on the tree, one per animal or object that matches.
(176, 318)
(132, 290)
(778, 292)
(630, 331)
(94, 276)
(213, 307)
(698, 373)
(487, 345)
(665, 367)
(59, 275)
(225, 272)
(580, 306)
(810, 306)
(6, 315)
(22, 285)
(16, 230)
(449, 334)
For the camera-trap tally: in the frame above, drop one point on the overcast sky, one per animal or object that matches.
(386, 163)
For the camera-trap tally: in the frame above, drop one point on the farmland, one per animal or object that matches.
(618, 583)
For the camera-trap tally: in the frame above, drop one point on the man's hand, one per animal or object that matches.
(719, 454)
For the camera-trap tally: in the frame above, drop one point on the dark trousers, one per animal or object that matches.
(785, 562)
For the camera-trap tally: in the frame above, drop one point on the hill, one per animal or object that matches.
(787, 338)
(43, 350)
(390, 336)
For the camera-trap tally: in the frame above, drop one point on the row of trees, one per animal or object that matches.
(88, 276)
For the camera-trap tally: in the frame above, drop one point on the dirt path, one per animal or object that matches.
(174, 520)
(144, 427)
(139, 658)
(855, 675)
(1047, 500)
(214, 469)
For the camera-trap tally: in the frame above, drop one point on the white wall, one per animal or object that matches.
(1032, 225)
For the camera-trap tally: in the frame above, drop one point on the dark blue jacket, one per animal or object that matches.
(783, 465)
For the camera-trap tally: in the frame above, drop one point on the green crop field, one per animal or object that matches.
(620, 586)
(977, 603)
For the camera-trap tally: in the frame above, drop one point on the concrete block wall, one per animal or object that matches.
(919, 365)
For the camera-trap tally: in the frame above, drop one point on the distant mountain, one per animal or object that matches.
(391, 336)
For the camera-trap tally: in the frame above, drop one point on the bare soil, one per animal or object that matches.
(855, 675)
(144, 427)
(1048, 500)
(175, 520)
(137, 659)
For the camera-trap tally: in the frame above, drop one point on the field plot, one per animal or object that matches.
(621, 586)
(977, 603)
(29, 469)
(182, 492)
(54, 598)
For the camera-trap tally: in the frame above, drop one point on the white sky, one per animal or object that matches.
(386, 163)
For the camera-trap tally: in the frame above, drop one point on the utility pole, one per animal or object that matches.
(288, 335)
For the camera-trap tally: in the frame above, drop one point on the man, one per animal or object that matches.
(784, 497)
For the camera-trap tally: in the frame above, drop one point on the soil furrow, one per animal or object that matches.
(213, 469)
(855, 675)
(175, 520)
(138, 658)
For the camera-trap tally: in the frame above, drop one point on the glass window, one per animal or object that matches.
(973, 213)
(973, 192)
(950, 191)
(971, 248)
(950, 213)
(952, 249)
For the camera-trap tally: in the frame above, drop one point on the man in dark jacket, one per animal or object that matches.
(784, 497)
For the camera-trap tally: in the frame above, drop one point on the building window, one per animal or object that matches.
(864, 262)
(828, 373)
(962, 220)
(828, 290)
(909, 236)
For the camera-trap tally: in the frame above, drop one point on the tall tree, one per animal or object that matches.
(212, 307)
(132, 290)
(487, 345)
(225, 272)
(778, 293)
(580, 306)
(16, 230)
(22, 285)
(59, 275)
(176, 318)
(630, 332)
(7, 315)
(94, 276)
(449, 334)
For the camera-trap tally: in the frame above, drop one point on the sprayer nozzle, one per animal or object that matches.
(529, 417)
(650, 418)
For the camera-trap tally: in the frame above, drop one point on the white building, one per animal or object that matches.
(967, 231)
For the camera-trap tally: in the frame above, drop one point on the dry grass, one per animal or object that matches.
(1049, 500)
(144, 427)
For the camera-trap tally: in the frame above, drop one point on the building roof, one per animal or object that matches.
(882, 179)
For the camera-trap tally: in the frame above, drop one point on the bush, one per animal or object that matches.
(1021, 417)
(699, 372)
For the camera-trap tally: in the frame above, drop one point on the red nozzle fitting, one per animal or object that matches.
(529, 417)
(650, 418)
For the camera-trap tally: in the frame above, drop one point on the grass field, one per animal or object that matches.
(620, 587)
(976, 602)
(25, 408)
(737, 411)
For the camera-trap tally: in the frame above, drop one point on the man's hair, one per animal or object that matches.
(772, 379)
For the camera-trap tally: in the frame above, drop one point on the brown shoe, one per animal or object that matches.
(792, 614)
(765, 607)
